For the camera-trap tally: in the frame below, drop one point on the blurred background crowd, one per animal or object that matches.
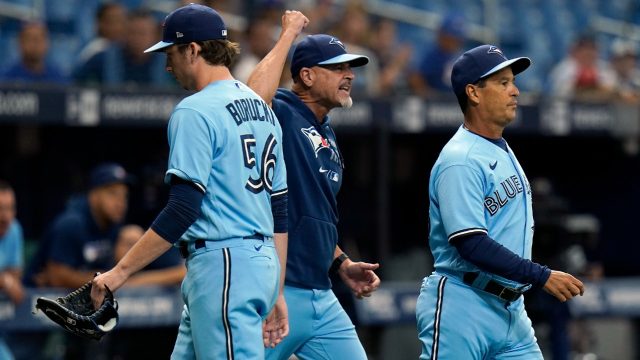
(585, 47)
(585, 187)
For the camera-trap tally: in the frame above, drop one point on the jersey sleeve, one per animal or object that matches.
(460, 193)
(191, 146)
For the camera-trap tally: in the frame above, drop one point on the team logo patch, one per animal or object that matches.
(179, 34)
(337, 42)
(496, 50)
(317, 141)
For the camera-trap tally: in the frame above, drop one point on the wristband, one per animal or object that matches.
(337, 262)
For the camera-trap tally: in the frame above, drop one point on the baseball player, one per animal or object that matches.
(481, 226)
(228, 193)
(322, 75)
(11, 249)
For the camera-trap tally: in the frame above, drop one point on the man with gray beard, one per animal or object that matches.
(322, 76)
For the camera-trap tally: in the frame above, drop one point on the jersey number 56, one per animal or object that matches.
(266, 165)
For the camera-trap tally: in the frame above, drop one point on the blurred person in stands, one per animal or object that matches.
(393, 57)
(33, 65)
(582, 74)
(128, 64)
(624, 62)
(354, 30)
(567, 242)
(258, 41)
(432, 72)
(11, 250)
(81, 240)
(168, 269)
(321, 14)
(111, 27)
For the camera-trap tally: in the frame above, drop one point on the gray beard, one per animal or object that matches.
(346, 103)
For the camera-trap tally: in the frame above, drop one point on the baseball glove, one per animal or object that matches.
(76, 314)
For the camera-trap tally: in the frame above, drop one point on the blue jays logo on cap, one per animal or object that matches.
(338, 42)
(321, 49)
(480, 62)
(193, 22)
(496, 50)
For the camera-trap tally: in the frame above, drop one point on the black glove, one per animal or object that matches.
(76, 314)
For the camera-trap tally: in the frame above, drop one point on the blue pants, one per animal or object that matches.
(319, 328)
(456, 321)
(229, 288)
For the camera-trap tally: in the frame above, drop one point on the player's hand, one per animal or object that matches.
(293, 21)
(360, 277)
(563, 286)
(276, 325)
(113, 278)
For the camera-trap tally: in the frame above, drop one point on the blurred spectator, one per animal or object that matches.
(624, 62)
(393, 57)
(582, 74)
(111, 27)
(128, 64)
(11, 250)
(354, 30)
(33, 66)
(567, 242)
(321, 15)
(81, 240)
(432, 72)
(168, 269)
(259, 40)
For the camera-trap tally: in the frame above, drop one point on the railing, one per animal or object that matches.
(75, 106)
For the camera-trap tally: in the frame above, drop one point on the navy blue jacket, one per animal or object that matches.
(314, 176)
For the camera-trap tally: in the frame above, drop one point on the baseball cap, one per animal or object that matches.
(108, 173)
(322, 49)
(479, 63)
(193, 22)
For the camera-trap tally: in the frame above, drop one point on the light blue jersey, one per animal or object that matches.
(225, 139)
(228, 142)
(11, 245)
(475, 189)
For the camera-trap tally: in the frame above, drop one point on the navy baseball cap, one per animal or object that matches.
(322, 49)
(193, 22)
(479, 63)
(107, 174)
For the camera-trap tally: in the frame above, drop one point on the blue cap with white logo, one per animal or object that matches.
(107, 174)
(479, 63)
(193, 22)
(322, 49)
